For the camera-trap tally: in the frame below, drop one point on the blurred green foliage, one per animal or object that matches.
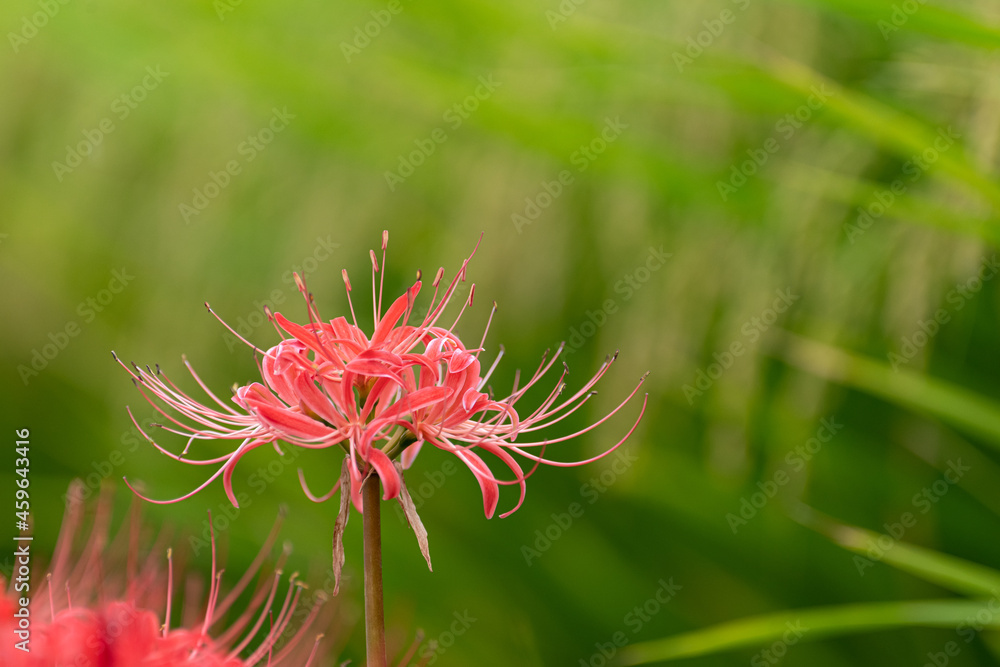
(841, 151)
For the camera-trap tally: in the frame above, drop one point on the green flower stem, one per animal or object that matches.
(374, 615)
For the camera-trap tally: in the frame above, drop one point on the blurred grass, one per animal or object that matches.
(656, 185)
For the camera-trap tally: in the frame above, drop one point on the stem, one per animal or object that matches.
(374, 616)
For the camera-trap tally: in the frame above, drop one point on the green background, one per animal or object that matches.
(702, 89)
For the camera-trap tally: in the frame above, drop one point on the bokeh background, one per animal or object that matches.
(834, 158)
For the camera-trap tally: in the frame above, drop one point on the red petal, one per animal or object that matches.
(421, 398)
(318, 402)
(393, 315)
(386, 472)
(490, 489)
(293, 423)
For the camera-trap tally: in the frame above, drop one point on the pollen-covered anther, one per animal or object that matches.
(385, 239)
(371, 255)
(347, 281)
(438, 276)
(472, 293)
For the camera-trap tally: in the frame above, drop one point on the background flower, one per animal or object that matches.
(109, 604)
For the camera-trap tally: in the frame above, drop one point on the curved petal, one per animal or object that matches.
(519, 475)
(392, 316)
(318, 402)
(489, 487)
(410, 454)
(386, 472)
(293, 423)
(417, 400)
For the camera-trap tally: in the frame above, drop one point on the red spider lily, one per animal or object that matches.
(104, 609)
(328, 383)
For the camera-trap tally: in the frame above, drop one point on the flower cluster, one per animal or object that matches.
(101, 607)
(378, 397)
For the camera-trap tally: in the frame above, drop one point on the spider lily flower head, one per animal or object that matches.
(380, 397)
(103, 605)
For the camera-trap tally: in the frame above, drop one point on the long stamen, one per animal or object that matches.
(233, 331)
(347, 286)
(482, 343)
(376, 306)
(315, 648)
(255, 566)
(52, 604)
(170, 591)
(381, 280)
